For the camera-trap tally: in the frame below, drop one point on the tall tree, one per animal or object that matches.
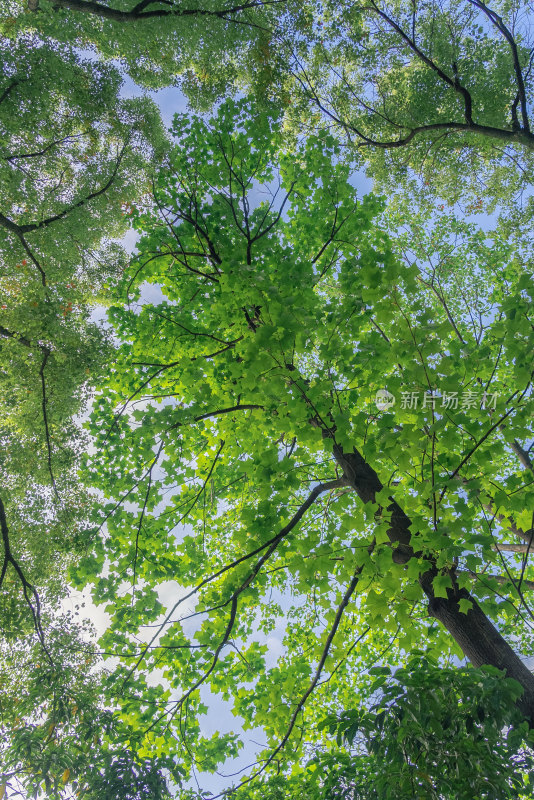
(73, 156)
(245, 452)
(281, 321)
(207, 47)
(432, 87)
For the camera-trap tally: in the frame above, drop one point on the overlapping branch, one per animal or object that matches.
(142, 11)
(519, 133)
(30, 592)
(269, 547)
(312, 685)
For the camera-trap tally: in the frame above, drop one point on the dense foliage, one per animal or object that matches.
(244, 398)
(442, 91)
(206, 47)
(304, 481)
(429, 735)
(72, 158)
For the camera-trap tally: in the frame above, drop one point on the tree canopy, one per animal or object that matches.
(206, 47)
(307, 418)
(72, 159)
(440, 89)
(245, 402)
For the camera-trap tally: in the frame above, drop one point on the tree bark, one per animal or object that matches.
(476, 635)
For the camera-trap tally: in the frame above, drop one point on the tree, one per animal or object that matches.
(207, 48)
(245, 453)
(431, 88)
(289, 315)
(73, 156)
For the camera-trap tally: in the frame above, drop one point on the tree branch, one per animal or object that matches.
(505, 31)
(270, 546)
(139, 11)
(45, 421)
(27, 588)
(313, 683)
(9, 89)
(500, 579)
(20, 230)
(510, 547)
(522, 455)
(454, 83)
(143, 511)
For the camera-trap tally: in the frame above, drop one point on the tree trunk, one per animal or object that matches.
(478, 638)
(480, 641)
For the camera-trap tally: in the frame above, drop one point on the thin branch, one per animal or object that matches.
(498, 22)
(482, 439)
(204, 484)
(270, 546)
(45, 421)
(313, 683)
(522, 455)
(500, 579)
(143, 511)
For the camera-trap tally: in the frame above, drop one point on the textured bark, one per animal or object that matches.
(509, 547)
(478, 638)
(480, 641)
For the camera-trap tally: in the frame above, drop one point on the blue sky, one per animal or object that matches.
(170, 100)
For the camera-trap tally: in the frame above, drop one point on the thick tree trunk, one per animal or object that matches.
(480, 641)
(478, 638)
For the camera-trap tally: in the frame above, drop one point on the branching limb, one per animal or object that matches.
(499, 23)
(269, 546)
(45, 148)
(20, 230)
(501, 579)
(313, 683)
(517, 135)
(45, 421)
(30, 592)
